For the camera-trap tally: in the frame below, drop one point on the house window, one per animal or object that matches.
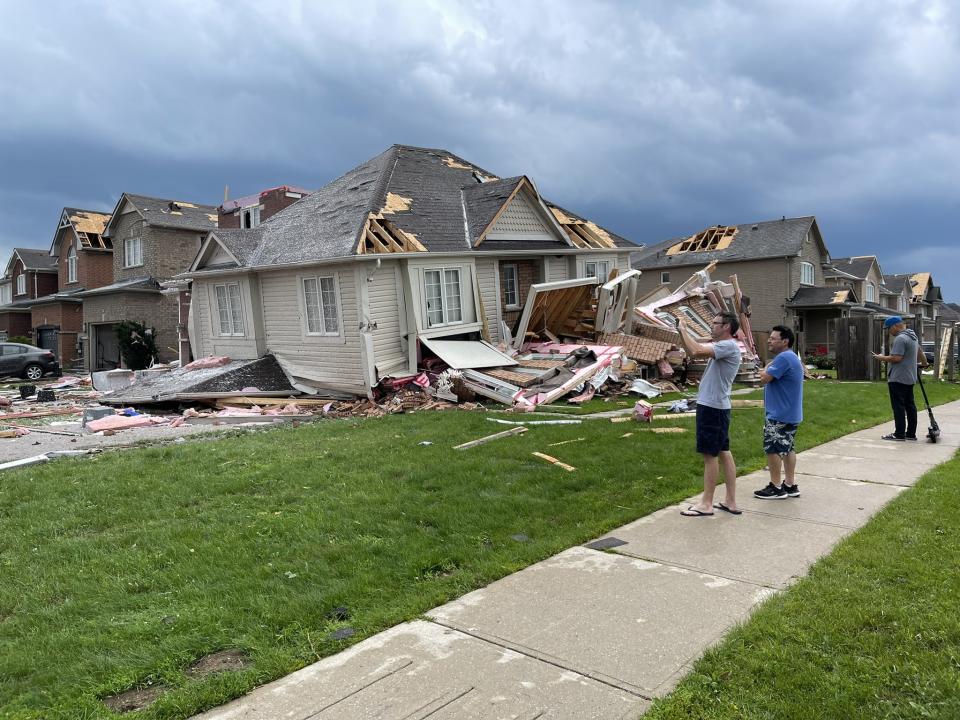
(132, 252)
(72, 264)
(5, 294)
(229, 308)
(250, 217)
(511, 290)
(806, 274)
(599, 269)
(664, 277)
(22, 284)
(443, 295)
(320, 301)
(902, 304)
(696, 319)
(871, 292)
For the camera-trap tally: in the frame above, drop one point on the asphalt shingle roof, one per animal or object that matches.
(774, 238)
(856, 266)
(441, 199)
(820, 296)
(175, 213)
(34, 259)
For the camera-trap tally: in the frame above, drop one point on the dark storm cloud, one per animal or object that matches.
(657, 118)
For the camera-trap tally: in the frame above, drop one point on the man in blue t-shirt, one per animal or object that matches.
(713, 411)
(782, 381)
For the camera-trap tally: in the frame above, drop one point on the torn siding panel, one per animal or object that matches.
(384, 308)
(490, 295)
(623, 262)
(334, 361)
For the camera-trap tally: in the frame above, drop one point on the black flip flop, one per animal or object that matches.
(721, 506)
(693, 512)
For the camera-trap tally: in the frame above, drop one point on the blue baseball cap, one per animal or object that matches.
(891, 321)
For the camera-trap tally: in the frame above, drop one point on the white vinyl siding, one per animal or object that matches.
(489, 295)
(132, 252)
(556, 268)
(22, 284)
(442, 289)
(807, 276)
(333, 360)
(511, 286)
(229, 309)
(321, 306)
(384, 308)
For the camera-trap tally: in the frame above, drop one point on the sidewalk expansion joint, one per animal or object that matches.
(803, 520)
(539, 657)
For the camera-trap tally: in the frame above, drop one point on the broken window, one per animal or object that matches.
(695, 319)
(132, 252)
(599, 269)
(72, 264)
(806, 274)
(250, 217)
(718, 237)
(22, 284)
(229, 308)
(322, 307)
(443, 296)
(511, 289)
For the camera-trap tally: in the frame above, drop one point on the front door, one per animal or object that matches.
(47, 339)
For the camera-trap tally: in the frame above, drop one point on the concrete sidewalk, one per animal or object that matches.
(590, 633)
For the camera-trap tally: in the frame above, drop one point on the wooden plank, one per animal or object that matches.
(519, 430)
(553, 461)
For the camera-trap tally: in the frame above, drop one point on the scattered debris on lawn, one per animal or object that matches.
(553, 461)
(496, 436)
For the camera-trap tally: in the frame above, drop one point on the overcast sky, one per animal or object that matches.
(655, 119)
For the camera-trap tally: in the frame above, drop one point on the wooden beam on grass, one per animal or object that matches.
(519, 430)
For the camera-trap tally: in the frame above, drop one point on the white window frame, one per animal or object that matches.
(22, 284)
(871, 292)
(230, 314)
(597, 264)
(332, 301)
(808, 275)
(133, 252)
(664, 277)
(5, 294)
(254, 211)
(446, 308)
(510, 273)
(72, 264)
(902, 304)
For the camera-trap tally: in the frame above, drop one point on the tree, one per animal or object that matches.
(138, 344)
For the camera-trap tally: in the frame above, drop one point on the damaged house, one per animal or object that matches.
(413, 254)
(30, 274)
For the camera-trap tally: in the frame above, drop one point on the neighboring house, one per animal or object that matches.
(779, 264)
(153, 240)
(31, 273)
(358, 280)
(84, 260)
(898, 293)
(249, 211)
(861, 273)
(925, 301)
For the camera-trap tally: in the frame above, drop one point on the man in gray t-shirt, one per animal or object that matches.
(905, 353)
(713, 412)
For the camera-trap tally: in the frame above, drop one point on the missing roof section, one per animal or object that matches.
(382, 236)
(583, 233)
(712, 239)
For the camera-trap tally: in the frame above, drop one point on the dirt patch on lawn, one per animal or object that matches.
(136, 699)
(223, 661)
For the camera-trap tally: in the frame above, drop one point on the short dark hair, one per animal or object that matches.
(785, 334)
(730, 319)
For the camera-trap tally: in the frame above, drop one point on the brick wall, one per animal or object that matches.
(15, 323)
(94, 267)
(271, 202)
(166, 251)
(152, 309)
(67, 318)
(528, 273)
(38, 284)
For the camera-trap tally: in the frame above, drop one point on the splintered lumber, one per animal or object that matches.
(36, 430)
(553, 461)
(737, 403)
(244, 400)
(40, 413)
(668, 430)
(565, 442)
(519, 430)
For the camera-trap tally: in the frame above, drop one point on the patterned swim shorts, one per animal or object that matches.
(778, 437)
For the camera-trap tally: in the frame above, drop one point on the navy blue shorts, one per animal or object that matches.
(713, 430)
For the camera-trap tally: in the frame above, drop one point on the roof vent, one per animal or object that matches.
(755, 227)
(173, 207)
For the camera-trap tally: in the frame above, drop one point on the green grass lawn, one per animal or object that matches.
(872, 632)
(121, 570)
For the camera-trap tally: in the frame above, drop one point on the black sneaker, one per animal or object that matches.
(791, 490)
(893, 437)
(771, 492)
(911, 438)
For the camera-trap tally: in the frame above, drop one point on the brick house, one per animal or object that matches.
(84, 261)
(30, 273)
(249, 211)
(926, 300)
(153, 239)
(779, 264)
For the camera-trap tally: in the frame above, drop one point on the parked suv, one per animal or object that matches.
(27, 361)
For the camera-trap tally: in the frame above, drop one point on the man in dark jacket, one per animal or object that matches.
(905, 354)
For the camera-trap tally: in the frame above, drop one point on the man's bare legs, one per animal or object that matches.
(787, 464)
(711, 474)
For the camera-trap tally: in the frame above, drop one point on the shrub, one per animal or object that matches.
(138, 344)
(20, 339)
